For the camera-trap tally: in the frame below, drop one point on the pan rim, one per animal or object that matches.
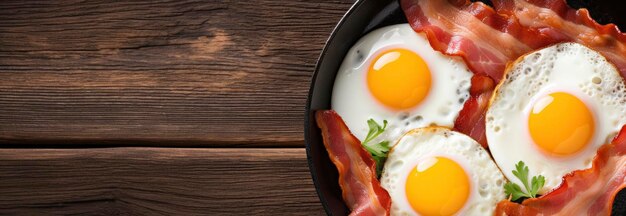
(307, 119)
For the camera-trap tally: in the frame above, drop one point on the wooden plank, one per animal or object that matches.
(156, 181)
(195, 73)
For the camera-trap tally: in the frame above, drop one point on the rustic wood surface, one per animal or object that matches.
(98, 97)
(195, 73)
(156, 181)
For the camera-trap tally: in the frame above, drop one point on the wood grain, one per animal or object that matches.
(152, 73)
(156, 181)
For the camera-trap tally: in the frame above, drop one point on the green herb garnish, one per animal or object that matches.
(515, 191)
(379, 150)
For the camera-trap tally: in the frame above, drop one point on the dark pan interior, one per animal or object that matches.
(363, 17)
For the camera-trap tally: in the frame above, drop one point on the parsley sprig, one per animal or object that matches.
(515, 191)
(379, 150)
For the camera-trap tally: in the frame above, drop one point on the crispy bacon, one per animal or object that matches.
(357, 170)
(589, 191)
(570, 24)
(471, 120)
(487, 41)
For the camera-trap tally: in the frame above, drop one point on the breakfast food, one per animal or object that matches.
(553, 110)
(436, 171)
(357, 170)
(393, 74)
(560, 23)
(489, 38)
(589, 192)
(544, 96)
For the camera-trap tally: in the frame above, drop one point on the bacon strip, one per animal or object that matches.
(570, 24)
(589, 191)
(357, 170)
(471, 120)
(487, 41)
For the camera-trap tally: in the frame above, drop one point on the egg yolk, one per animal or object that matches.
(560, 124)
(437, 186)
(399, 79)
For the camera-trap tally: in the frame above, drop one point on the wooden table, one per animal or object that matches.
(158, 107)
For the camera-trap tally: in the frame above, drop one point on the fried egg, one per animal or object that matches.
(553, 110)
(436, 171)
(394, 74)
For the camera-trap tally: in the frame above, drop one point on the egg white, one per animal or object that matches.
(486, 180)
(352, 100)
(567, 67)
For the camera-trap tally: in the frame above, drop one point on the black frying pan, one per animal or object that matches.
(363, 17)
